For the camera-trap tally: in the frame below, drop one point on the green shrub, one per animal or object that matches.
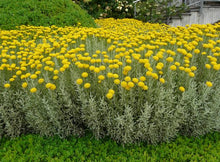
(42, 13)
(36, 148)
(159, 11)
(155, 11)
(108, 8)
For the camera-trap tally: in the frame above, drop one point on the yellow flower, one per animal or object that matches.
(141, 84)
(56, 72)
(24, 85)
(87, 85)
(191, 74)
(127, 78)
(115, 76)
(33, 90)
(117, 81)
(53, 87)
(96, 70)
(41, 80)
(162, 80)
(193, 68)
(109, 95)
(169, 59)
(101, 77)
(110, 75)
(11, 79)
(135, 80)
(181, 88)
(196, 51)
(209, 84)
(33, 76)
(79, 81)
(130, 84)
(85, 74)
(7, 85)
(145, 87)
(18, 72)
(55, 77)
(111, 91)
(48, 85)
(123, 84)
(216, 67)
(173, 67)
(177, 63)
(142, 78)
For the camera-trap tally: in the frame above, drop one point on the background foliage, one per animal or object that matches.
(36, 148)
(42, 13)
(155, 11)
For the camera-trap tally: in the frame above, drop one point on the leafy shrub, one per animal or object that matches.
(155, 11)
(108, 8)
(36, 148)
(42, 13)
(159, 11)
(129, 80)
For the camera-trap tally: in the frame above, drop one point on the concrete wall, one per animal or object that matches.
(208, 15)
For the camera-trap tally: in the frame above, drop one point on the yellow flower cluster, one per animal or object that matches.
(126, 54)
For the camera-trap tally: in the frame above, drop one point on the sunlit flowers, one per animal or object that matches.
(182, 89)
(33, 90)
(209, 84)
(7, 85)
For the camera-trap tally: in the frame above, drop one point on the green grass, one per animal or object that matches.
(36, 148)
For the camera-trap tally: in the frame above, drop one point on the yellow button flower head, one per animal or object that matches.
(216, 67)
(181, 88)
(87, 85)
(79, 81)
(41, 80)
(33, 76)
(111, 91)
(191, 74)
(85, 74)
(173, 67)
(193, 68)
(33, 90)
(96, 70)
(169, 59)
(24, 85)
(7, 85)
(101, 77)
(18, 72)
(196, 51)
(162, 80)
(127, 78)
(117, 81)
(124, 84)
(48, 85)
(145, 87)
(142, 78)
(209, 84)
(11, 79)
(53, 87)
(135, 80)
(141, 84)
(109, 95)
(131, 84)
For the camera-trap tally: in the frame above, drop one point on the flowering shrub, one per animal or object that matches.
(130, 80)
(155, 11)
(108, 8)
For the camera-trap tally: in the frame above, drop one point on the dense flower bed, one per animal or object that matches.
(127, 79)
